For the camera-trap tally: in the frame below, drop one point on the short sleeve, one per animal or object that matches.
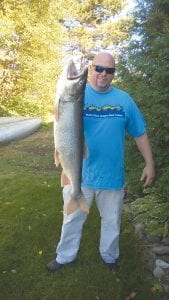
(136, 125)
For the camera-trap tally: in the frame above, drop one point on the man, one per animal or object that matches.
(108, 114)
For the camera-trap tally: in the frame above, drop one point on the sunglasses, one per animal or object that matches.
(101, 69)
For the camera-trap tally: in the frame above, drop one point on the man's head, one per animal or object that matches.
(102, 71)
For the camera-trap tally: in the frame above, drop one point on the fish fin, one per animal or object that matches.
(56, 158)
(73, 205)
(83, 205)
(64, 180)
(56, 109)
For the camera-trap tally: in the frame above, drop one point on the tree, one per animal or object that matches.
(92, 26)
(145, 74)
(35, 45)
(30, 52)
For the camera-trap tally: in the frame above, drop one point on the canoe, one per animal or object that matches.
(14, 128)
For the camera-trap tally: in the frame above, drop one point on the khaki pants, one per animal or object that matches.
(109, 204)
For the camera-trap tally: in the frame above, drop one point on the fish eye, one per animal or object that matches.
(80, 82)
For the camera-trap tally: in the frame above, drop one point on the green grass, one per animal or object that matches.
(30, 224)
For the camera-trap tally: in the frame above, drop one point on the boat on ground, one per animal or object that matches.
(14, 128)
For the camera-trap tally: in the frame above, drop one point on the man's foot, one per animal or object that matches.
(54, 266)
(112, 266)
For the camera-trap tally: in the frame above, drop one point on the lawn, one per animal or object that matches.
(30, 223)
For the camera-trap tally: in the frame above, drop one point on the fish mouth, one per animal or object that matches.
(72, 72)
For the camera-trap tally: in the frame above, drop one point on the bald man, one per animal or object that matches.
(109, 113)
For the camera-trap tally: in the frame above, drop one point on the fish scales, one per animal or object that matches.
(68, 131)
(70, 140)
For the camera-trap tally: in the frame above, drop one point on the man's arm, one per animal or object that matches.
(144, 147)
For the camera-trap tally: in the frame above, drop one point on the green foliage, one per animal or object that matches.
(29, 57)
(152, 213)
(32, 46)
(144, 73)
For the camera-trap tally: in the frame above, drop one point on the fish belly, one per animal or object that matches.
(68, 135)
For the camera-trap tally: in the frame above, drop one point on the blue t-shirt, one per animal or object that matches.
(107, 117)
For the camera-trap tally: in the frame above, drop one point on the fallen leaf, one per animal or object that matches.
(131, 296)
(40, 252)
(153, 289)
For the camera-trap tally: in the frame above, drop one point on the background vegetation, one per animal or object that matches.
(36, 37)
(144, 73)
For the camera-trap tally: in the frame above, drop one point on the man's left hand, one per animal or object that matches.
(148, 174)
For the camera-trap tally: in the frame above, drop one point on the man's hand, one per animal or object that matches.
(144, 147)
(148, 174)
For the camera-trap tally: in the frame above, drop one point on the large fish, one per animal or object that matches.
(68, 131)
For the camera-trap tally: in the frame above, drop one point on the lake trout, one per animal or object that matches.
(68, 131)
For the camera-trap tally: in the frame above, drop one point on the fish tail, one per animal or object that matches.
(75, 204)
(83, 205)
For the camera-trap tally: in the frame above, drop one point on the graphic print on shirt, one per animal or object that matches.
(106, 111)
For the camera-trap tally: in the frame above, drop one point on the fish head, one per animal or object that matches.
(71, 83)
